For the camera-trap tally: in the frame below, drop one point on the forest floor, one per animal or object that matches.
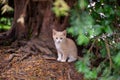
(34, 67)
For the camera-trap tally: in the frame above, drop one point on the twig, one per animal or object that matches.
(108, 53)
(92, 46)
(11, 57)
(69, 77)
(25, 56)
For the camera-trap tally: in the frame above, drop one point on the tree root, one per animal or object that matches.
(25, 56)
(11, 57)
(34, 47)
(10, 51)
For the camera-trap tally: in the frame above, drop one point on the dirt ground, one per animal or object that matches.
(34, 67)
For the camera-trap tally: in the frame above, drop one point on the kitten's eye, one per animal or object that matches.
(56, 37)
(61, 38)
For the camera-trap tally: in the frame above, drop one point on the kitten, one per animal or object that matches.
(66, 48)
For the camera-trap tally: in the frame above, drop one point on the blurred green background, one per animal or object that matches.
(6, 14)
(95, 24)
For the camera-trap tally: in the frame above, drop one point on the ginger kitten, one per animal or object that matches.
(66, 48)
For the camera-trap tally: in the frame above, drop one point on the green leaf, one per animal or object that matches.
(81, 67)
(98, 30)
(82, 39)
(117, 59)
(106, 72)
(60, 8)
(117, 45)
(82, 4)
(107, 29)
(91, 75)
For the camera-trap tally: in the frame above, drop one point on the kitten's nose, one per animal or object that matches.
(58, 41)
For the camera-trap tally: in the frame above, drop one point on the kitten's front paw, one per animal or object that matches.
(63, 60)
(58, 59)
(72, 59)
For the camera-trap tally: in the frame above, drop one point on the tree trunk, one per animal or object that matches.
(34, 21)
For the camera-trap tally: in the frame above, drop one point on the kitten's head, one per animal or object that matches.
(59, 36)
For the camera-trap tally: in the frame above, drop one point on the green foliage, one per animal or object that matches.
(60, 8)
(117, 59)
(82, 4)
(83, 66)
(96, 28)
(5, 23)
(5, 8)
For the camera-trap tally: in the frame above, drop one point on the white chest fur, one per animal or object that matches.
(58, 46)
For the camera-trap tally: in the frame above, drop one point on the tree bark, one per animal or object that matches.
(34, 21)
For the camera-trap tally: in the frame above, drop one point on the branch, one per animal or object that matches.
(91, 46)
(108, 53)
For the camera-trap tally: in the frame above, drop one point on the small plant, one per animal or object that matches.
(5, 22)
(60, 8)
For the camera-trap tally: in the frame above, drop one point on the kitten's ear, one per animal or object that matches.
(64, 33)
(54, 31)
